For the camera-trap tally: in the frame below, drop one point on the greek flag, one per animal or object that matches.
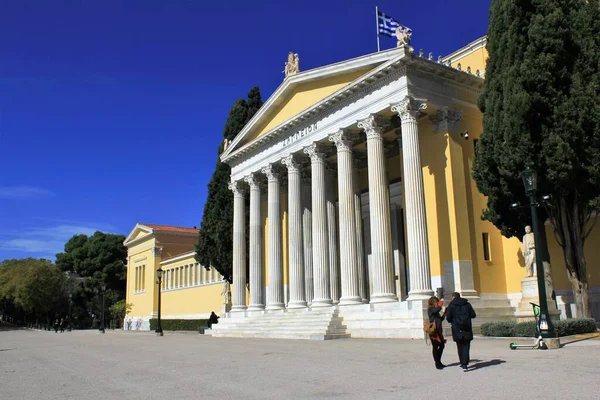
(388, 25)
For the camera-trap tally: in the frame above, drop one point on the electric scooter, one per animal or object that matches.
(539, 343)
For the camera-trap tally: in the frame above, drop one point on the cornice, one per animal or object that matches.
(466, 50)
(360, 86)
(179, 257)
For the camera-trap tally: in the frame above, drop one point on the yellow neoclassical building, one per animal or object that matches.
(188, 290)
(361, 206)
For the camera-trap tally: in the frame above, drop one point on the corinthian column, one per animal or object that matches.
(416, 222)
(307, 238)
(275, 289)
(349, 254)
(319, 229)
(332, 229)
(239, 248)
(256, 246)
(360, 248)
(295, 241)
(379, 211)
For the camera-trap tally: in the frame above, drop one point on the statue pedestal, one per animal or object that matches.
(225, 308)
(529, 290)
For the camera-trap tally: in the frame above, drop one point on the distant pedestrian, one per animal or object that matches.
(438, 343)
(213, 319)
(62, 325)
(460, 313)
(129, 323)
(56, 325)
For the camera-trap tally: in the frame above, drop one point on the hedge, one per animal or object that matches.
(563, 327)
(179, 324)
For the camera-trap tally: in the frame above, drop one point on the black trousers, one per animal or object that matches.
(464, 347)
(437, 349)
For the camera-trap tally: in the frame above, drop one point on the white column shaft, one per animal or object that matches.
(307, 239)
(332, 229)
(295, 240)
(275, 289)
(360, 248)
(416, 221)
(256, 246)
(379, 212)
(320, 235)
(239, 249)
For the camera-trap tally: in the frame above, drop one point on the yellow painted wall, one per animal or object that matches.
(142, 302)
(592, 257)
(476, 60)
(304, 96)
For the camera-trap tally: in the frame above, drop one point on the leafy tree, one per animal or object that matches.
(119, 309)
(541, 106)
(99, 258)
(215, 241)
(32, 287)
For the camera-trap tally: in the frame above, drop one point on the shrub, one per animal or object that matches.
(525, 329)
(179, 324)
(575, 326)
(498, 328)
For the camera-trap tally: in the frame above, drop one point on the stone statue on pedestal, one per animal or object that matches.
(403, 37)
(292, 66)
(226, 293)
(528, 249)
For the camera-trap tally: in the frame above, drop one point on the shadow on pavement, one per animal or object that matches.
(565, 341)
(484, 364)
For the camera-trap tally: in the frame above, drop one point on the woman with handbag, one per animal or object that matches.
(436, 335)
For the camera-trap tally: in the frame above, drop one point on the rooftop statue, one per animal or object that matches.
(292, 66)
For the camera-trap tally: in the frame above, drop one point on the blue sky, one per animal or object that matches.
(111, 112)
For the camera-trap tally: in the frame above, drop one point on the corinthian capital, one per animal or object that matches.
(342, 140)
(253, 182)
(445, 120)
(291, 163)
(270, 172)
(236, 188)
(315, 153)
(409, 108)
(374, 125)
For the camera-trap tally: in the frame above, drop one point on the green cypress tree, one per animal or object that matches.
(215, 241)
(541, 106)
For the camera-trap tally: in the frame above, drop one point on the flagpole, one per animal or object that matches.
(377, 25)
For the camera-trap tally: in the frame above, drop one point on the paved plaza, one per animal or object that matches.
(139, 365)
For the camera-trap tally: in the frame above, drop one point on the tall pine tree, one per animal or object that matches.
(215, 241)
(541, 106)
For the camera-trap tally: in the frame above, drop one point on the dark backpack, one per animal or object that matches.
(462, 317)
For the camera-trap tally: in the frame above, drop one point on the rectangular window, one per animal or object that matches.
(135, 287)
(143, 285)
(486, 246)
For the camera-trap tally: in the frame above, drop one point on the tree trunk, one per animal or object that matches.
(571, 233)
(542, 247)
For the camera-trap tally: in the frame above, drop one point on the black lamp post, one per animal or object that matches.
(103, 288)
(69, 321)
(530, 182)
(159, 273)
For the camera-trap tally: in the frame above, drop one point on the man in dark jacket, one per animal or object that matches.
(459, 314)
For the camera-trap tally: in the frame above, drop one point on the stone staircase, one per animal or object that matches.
(398, 320)
(310, 324)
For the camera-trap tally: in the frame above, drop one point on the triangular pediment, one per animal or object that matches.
(137, 233)
(301, 91)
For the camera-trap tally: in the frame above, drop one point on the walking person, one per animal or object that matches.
(460, 313)
(62, 325)
(436, 316)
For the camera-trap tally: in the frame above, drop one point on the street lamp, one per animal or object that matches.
(103, 288)
(159, 273)
(530, 182)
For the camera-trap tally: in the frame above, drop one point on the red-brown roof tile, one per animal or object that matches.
(171, 228)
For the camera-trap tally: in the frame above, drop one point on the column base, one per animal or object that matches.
(383, 298)
(322, 303)
(469, 294)
(297, 304)
(256, 307)
(276, 306)
(238, 309)
(350, 301)
(552, 343)
(420, 295)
